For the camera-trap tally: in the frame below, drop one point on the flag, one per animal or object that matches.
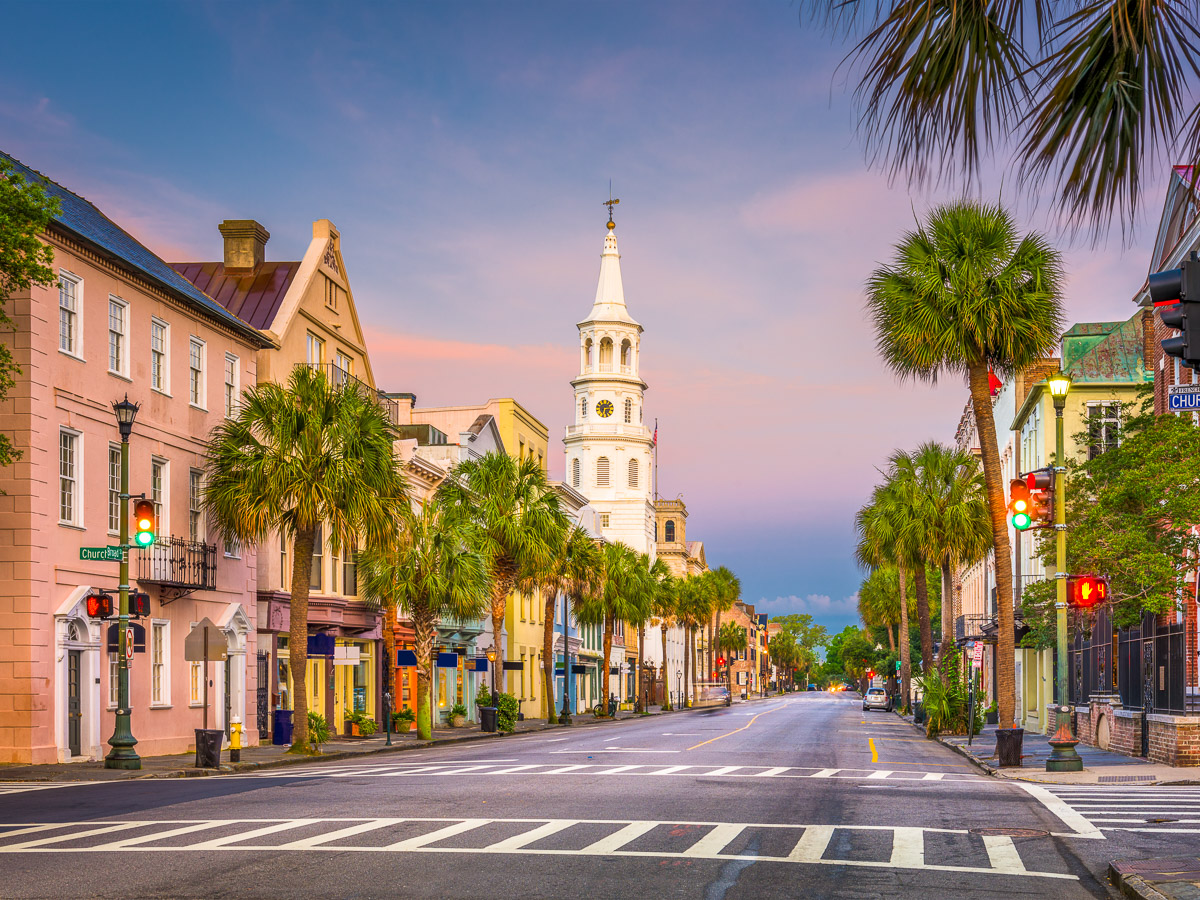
(994, 383)
(655, 441)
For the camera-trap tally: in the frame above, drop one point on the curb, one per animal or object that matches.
(1133, 886)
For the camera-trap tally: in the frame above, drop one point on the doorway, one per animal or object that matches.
(74, 703)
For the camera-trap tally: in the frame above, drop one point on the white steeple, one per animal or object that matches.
(609, 305)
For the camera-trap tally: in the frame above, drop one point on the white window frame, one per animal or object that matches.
(76, 350)
(76, 478)
(114, 676)
(197, 386)
(122, 369)
(232, 384)
(114, 490)
(196, 531)
(233, 550)
(311, 341)
(162, 502)
(160, 664)
(164, 366)
(603, 520)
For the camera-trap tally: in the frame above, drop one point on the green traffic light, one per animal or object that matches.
(1021, 521)
(144, 538)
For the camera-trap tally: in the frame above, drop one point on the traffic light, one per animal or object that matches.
(1176, 294)
(1085, 591)
(144, 525)
(1018, 504)
(897, 667)
(100, 606)
(139, 605)
(1041, 497)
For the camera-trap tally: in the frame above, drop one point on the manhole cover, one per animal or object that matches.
(1009, 832)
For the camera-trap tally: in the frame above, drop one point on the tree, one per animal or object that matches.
(295, 459)
(732, 639)
(966, 295)
(574, 570)
(432, 573)
(516, 516)
(25, 212)
(694, 606)
(1085, 95)
(665, 608)
(807, 633)
(879, 601)
(726, 589)
(658, 573)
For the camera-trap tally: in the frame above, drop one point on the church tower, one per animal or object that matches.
(609, 448)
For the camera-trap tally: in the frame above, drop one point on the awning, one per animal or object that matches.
(320, 645)
(137, 635)
(406, 658)
(577, 669)
(513, 665)
(447, 660)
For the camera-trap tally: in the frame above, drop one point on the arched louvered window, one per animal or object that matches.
(602, 472)
(633, 473)
(575, 472)
(583, 407)
(669, 531)
(628, 411)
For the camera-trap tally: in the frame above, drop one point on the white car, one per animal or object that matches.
(877, 698)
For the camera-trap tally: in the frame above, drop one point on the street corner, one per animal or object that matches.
(1166, 878)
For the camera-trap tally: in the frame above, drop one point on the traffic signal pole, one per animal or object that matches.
(122, 755)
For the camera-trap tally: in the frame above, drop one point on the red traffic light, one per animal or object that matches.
(1086, 590)
(720, 660)
(100, 606)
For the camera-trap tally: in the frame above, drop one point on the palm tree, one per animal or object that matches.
(905, 475)
(656, 573)
(1086, 94)
(665, 609)
(879, 601)
(695, 607)
(726, 591)
(515, 514)
(966, 295)
(296, 458)
(433, 572)
(732, 637)
(573, 570)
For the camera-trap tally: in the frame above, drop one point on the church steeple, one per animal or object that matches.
(609, 305)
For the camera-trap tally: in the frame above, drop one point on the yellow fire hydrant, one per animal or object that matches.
(235, 740)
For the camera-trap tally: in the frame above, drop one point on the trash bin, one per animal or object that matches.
(919, 713)
(208, 748)
(487, 718)
(1008, 745)
(281, 727)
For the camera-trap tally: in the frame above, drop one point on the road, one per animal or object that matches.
(804, 796)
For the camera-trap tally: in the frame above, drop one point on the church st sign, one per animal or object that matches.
(100, 554)
(1183, 397)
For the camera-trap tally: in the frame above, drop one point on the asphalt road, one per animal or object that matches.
(805, 796)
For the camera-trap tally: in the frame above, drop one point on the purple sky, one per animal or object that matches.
(464, 151)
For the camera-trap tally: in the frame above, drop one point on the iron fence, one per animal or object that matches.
(1145, 665)
(179, 563)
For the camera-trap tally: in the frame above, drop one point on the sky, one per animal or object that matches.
(464, 151)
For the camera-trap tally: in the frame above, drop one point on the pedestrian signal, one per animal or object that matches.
(100, 606)
(139, 605)
(144, 523)
(1085, 591)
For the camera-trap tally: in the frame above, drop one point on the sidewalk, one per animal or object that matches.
(1173, 878)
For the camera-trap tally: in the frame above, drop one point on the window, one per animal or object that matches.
(335, 564)
(114, 488)
(283, 563)
(344, 363)
(633, 473)
(195, 522)
(196, 372)
(575, 473)
(160, 689)
(233, 549)
(626, 356)
(231, 385)
(656, 531)
(68, 314)
(114, 678)
(628, 411)
(603, 520)
(68, 477)
(314, 579)
(587, 355)
(606, 355)
(602, 472)
(583, 405)
(196, 683)
(158, 493)
(316, 350)
(669, 531)
(158, 355)
(1104, 421)
(117, 310)
(331, 294)
(350, 570)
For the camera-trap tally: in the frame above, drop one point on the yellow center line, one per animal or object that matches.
(874, 752)
(736, 730)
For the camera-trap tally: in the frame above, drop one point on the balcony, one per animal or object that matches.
(179, 565)
(969, 628)
(614, 428)
(338, 376)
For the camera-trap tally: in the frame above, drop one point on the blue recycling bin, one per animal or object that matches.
(281, 727)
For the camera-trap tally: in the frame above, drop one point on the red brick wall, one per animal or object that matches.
(1175, 740)
(1125, 732)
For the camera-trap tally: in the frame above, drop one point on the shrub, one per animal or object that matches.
(507, 709)
(483, 696)
(318, 730)
(403, 718)
(458, 710)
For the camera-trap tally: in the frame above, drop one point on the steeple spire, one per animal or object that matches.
(609, 304)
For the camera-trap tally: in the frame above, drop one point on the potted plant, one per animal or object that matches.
(404, 720)
(992, 714)
(318, 731)
(359, 724)
(457, 716)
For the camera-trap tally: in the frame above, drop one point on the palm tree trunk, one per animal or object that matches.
(638, 705)
(948, 610)
(608, 639)
(905, 643)
(922, 587)
(548, 657)
(666, 681)
(717, 639)
(981, 401)
(891, 642)
(302, 559)
(424, 629)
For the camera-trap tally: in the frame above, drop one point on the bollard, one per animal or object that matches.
(235, 740)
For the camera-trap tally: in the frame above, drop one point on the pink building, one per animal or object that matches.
(119, 321)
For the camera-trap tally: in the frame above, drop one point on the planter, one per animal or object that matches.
(458, 721)
(350, 729)
(992, 716)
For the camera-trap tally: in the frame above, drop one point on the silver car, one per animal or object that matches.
(877, 698)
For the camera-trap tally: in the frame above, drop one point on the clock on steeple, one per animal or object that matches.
(604, 408)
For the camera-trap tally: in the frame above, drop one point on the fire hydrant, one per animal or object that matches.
(235, 740)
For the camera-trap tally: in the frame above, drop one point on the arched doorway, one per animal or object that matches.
(78, 670)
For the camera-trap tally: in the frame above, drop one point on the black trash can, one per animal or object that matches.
(208, 748)
(919, 713)
(281, 727)
(1008, 746)
(487, 718)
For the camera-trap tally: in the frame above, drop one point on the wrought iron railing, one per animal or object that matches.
(969, 627)
(178, 563)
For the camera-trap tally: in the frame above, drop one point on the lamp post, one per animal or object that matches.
(679, 688)
(565, 717)
(1063, 757)
(122, 755)
(491, 658)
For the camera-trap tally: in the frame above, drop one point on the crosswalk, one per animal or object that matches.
(872, 846)
(21, 787)
(1135, 808)
(468, 767)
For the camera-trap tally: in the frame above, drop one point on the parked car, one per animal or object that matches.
(877, 698)
(813, 687)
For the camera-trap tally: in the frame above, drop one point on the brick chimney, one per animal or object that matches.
(245, 245)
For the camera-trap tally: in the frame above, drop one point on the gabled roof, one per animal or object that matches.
(255, 297)
(1112, 352)
(1179, 212)
(88, 224)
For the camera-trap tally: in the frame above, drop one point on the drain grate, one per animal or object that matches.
(1009, 832)
(1116, 779)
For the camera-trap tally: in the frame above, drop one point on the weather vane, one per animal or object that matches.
(610, 203)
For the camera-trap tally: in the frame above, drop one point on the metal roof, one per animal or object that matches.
(256, 298)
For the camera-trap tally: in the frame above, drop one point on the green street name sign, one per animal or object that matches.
(100, 554)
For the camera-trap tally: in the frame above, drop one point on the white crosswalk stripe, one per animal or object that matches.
(21, 787)
(804, 844)
(1134, 808)
(468, 767)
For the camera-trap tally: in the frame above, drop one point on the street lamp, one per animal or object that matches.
(1063, 757)
(491, 657)
(565, 718)
(122, 755)
(679, 688)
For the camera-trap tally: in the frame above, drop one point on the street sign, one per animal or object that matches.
(1183, 397)
(977, 655)
(111, 554)
(195, 646)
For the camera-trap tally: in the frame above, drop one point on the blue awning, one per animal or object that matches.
(481, 664)
(447, 660)
(406, 658)
(320, 645)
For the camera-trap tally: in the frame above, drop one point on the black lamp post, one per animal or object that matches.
(122, 755)
(491, 657)
(565, 717)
